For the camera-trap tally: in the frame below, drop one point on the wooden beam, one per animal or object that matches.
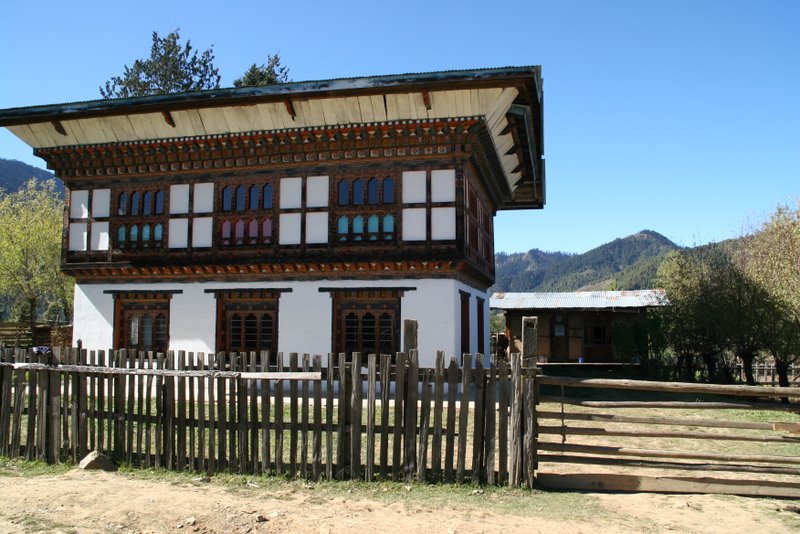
(290, 108)
(58, 126)
(168, 118)
(426, 98)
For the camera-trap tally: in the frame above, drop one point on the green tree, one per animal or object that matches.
(30, 251)
(269, 73)
(171, 68)
(695, 323)
(773, 262)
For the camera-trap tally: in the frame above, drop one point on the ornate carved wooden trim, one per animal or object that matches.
(400, 139)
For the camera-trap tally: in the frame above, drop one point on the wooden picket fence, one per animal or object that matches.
(380, 417)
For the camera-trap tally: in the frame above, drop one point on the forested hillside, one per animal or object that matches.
(14, 173)
(625, 263)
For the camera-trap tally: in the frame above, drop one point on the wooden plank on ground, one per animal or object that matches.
(634, 483)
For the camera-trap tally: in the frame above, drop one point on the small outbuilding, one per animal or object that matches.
(583, 326)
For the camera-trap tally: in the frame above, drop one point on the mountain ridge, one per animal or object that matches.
(624, 263)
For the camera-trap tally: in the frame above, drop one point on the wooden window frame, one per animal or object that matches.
(365, 209)
(121, 217)
(260, 303)
(361, 303)
(140, 304)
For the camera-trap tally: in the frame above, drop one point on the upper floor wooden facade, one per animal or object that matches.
(375, 177)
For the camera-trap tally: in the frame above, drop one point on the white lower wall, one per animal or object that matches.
(304, 317)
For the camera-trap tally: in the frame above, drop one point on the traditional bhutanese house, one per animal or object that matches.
(590, 326)
(308, 217)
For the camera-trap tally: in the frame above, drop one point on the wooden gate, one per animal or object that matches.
(626, 435)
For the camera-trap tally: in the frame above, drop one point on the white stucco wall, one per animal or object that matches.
(304, 319)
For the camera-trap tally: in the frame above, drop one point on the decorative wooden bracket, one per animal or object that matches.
(426, 98)
(168, 118)
(59, 127)
(290, 108)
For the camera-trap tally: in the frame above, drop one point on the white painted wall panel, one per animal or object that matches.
(317, 191)
(434, 304)
(192, 318)
(99, 237)
(443, 223)
(443, 185)
(77, 236)
(79, 204)
(203, 200)
(291, 193)
(317, 227)
(202, 231)
(101, 202)
(414, 224)
(178, 233)
(414, 187)
(289, 229)
(93, 316)
(179, 199)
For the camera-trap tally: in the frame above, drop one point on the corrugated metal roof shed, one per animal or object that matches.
(580, 300)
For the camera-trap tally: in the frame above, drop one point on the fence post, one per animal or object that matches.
(410, 335)
(530, 327)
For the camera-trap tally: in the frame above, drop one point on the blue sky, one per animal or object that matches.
(682, 117)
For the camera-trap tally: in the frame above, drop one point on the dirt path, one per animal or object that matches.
(89, 502)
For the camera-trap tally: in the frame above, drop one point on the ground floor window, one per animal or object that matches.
(247, 321)
(141, 320)
(366, 321)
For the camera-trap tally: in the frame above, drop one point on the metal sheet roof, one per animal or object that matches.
(580, 300)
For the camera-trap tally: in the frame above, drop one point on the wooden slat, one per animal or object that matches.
(316, 446)
(329, 417)
(16, 421)
(279, 464)
(615, 482)
(369, 471)
(355, 417)
(342, 438)
(425, 415)
(265, 416)
(410, 422)
(386, 361)
(452, 387)
(463, 417)
(181, 415)
(438, 412)
(515, 441)
(655, 453)
(490, 414)
(670, 387)
(293, 424)
(479, 422)
(679, 405)
(33, 416)
(644, 433)
(399, 397)
(304, 419)
(222, 417)
(5, 409)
